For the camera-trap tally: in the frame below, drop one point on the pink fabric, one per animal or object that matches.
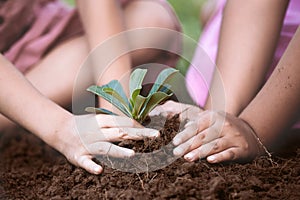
(44, 24)
(201, 70)
(202, 66)
(51, 22)
(20, 16)
(32, 28)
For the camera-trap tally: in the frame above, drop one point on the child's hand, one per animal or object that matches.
(171, 108)
(88, 135)
(219, 137)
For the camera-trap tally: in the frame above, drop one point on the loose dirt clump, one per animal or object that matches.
(30, 169)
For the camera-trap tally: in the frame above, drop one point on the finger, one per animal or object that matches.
(205, 150)
(106, 148)
(107, 121)
(190, 112)
(190, 140)
(102, 135)
(170, 108)
(139, 133)
(118, 134)
(195, 142)
(86, 163)
(230, 154)
(206, 136)
(208, 130)
(188, 146)
(158, 110)
(187, 140)
(183, 148)
(191, 129)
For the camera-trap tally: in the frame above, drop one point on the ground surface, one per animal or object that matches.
(29, 169)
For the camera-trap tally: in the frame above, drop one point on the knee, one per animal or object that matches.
(146, 13)
(139, 14)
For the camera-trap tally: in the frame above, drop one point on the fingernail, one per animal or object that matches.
(176, 141)
(189, 156)
(154, 133)
(97, 169)
(129, 152)
(188, 124)
(178, 151)
(211, 159)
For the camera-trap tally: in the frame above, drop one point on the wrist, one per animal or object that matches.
(50, 127)
(232, 106)
(62, 133)
(261, 148)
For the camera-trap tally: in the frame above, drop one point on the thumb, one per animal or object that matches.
(89, 165)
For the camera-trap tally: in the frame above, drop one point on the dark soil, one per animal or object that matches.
(168, 129)
(151, 153)
(31, 169)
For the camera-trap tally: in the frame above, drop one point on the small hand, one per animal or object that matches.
(171, 108)
(219, 137)
(89, 135)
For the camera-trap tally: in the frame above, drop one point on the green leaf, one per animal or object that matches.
(135, 84)
(137, 106)
(116, 95)
(116, 86)
(165, 88)
(152, 102)
(161, 79)
(99, 111)
(139, 102)
(108, 97)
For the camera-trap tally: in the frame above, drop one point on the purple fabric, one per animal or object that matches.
(201, 70)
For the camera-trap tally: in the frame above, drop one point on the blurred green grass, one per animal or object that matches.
(188, 13)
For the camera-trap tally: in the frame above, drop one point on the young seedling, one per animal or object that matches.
(137, 106)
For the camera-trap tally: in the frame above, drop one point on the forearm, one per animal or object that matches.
(20, 102)
(248, 38)
(277, 105)
(102, 20)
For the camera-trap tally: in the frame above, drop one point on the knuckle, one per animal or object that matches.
(236, 133)
(216, 146)
(133, 122)
(122, 133)
(207, 113)
(227, 124)
(73, 159)
(199, 115)
(214, 131)
(201, 136)
(231, 155)
(245, 146)
(104, 148)
(103, 151)
(221, 113)
(76, 159)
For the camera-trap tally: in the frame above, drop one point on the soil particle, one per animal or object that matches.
(30, 169)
